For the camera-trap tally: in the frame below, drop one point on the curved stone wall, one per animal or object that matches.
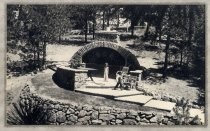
(57, 112)
(129, 56)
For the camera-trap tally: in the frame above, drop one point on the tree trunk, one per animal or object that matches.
(118, 19)
(147, 31)
(44, 53)
(34, 59)
(166, 57)
(181, 58)
(93, 29)
(59, 39)
(132, 27)
(86, 29)
(103, 25)
(38, 55)
(108, 17)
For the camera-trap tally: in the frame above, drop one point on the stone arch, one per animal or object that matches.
(129, 57)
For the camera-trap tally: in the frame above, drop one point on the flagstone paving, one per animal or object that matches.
(100, 83)
(163, 105)
(140, 99)
(108, 92)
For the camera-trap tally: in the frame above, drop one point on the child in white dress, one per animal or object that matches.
(106, 72)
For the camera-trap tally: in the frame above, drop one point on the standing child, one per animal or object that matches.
(106, 72)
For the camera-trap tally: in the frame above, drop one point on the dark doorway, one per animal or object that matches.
(97, 57)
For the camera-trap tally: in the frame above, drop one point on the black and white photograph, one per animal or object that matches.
(139, 65)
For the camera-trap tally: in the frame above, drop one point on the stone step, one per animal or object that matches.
(108, 92)
(138, 99)
(100, 86)
(163, 105)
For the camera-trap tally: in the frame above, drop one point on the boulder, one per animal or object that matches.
(97, 122)
(121, 115)
(129, 122)
(72, 118)
(106, 117)
(94, 115)
(82, 113)
(60, 117)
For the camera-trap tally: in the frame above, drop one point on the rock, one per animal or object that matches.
(87, 108)
(129, 122)
(51, 106)
(138, 118)
(57, 106)
(79, 107)
(132, 113)
(60, 117)
(69, 123)
(72, 118)
(89, 113)
(121, 115)
(118, 121)
(113, 111)
(52, 117)
(165, 121)
(82, 113)
(84, 119)
(106, 117)
(112, 123)
(142, 115)
(96, 108)
(70, 111)
(144, 120)
(94, 115)
(96, 122)
(148, 117)
(170, 123)
(153, 120)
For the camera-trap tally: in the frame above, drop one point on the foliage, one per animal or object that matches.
(181, 112)
(19, 114)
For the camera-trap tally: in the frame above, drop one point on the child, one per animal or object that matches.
(119, 80)
(106, 72)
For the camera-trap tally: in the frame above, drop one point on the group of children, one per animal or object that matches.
(120, 78)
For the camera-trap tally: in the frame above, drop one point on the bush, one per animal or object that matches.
(125, 37)
(181, 112)
(106, 36)
(19, 114)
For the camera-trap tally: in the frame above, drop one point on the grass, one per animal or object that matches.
(49, 88)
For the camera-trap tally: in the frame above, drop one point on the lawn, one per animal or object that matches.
(45, 86)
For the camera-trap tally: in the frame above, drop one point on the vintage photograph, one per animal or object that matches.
(103, 64)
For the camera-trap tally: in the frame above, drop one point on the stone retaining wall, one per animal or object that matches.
(70, 78)
(69, 113)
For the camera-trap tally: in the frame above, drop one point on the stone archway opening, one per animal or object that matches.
(96, 54)
(97, 57)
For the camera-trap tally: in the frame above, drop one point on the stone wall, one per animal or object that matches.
(68, 113)
(70, 78)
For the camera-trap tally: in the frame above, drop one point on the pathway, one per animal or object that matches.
(133, 96)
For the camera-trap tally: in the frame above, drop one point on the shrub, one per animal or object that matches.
(19, 114)
(181, 112)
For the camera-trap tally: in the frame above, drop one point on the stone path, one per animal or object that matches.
(140, 99)
(100, 83)
(108, 92)
(163, 105)
(134, 96)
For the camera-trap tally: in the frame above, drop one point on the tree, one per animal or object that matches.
(135, 13)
